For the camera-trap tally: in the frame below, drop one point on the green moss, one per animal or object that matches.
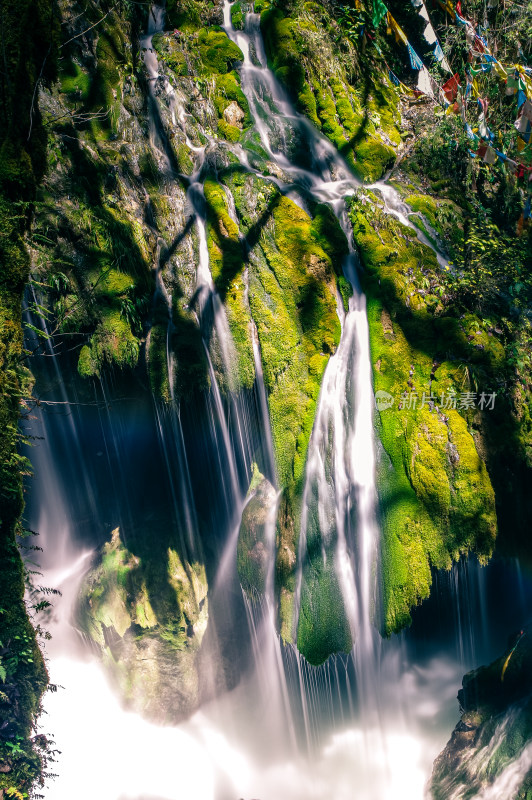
(170, 51)
(218, 53)
(157, 362)
(281, 42)
(75, 81)
(226, 261)
(329, 235)
(444, 216)
(323, 627)
(374, 157)
(227, 89)
(436, 497)
(184, 159)
(112, 343)
(114, 283)
(363, 123)
(237, 16)
(229, 132)
(105, 88)
(184, 14)
(292, 299)
(346, 291)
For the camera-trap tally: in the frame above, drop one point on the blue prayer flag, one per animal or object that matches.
(438, 52)
(415, 60)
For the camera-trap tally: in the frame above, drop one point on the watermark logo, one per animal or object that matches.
(410, 401)
(383, 400)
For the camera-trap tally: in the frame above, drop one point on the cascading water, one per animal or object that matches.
(368, 723)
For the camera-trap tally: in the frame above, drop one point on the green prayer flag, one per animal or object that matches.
(379, 12)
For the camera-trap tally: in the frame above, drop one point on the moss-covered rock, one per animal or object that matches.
(148, 619)
(323, 628)
(218, 52)
(360, 116)
(437, 501)
(112, 343)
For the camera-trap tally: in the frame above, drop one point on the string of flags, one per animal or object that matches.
(454, 96)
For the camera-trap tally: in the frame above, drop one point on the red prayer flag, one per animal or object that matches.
(450, 89)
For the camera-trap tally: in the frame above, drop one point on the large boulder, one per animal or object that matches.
(147, 621)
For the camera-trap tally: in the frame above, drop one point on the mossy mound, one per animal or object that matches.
(217, 51)
(148, 619)
(112, 343)
(437, 501)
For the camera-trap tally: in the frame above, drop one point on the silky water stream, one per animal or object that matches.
(367, 725)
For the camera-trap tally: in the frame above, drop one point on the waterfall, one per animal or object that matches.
(368, 722)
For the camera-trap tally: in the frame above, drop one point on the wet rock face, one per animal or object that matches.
(255, 542)
(491, 746)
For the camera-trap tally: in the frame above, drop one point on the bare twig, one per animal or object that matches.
(87, 29)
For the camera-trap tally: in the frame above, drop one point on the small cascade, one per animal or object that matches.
(230, 426)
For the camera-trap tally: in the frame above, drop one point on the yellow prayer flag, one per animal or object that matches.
(499, 69)
(399, 33)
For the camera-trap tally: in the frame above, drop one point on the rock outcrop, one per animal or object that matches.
(491, 745)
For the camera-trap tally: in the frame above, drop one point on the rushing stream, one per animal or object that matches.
(367, 725)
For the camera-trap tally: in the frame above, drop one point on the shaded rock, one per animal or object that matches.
(256, 539)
